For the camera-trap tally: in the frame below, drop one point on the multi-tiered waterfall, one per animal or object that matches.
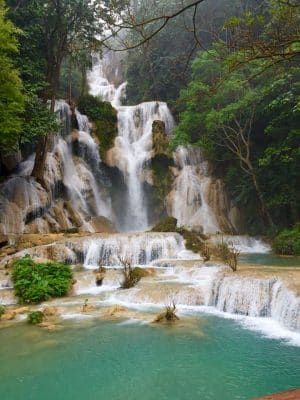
(77, 194)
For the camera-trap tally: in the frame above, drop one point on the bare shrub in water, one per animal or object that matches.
(228, 254)
(169, 313)
(131, 276)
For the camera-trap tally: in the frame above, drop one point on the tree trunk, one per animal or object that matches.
(264, 211)
(45, 143)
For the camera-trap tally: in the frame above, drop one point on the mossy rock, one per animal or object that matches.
(193, 240)
(105, 118)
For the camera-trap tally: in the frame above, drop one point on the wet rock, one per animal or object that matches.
(50, 311)
(114, 309)
(8, 316)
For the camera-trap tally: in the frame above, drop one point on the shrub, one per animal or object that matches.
(131, 276)
(36, 282)
(227, 253)
(2, 310)
(288, 241)
(169, 314)
(35, 317)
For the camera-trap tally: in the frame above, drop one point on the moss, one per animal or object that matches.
(168, 224)
(193, 241)
(288, 241)
(105, 120)
(106, 131)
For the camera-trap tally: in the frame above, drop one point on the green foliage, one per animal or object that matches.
(37, 282)
(104, 116)
(2, 310)
(288, 241)
(213, 108)
(11, 96)
(38, 120)
(35, 317)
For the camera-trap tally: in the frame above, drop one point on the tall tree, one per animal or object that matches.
(11, 96)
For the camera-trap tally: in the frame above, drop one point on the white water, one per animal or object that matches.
(243, 243)
(133, 146)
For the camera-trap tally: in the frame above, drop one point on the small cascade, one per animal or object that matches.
(243, 243)
(140, 249)
(133, 146)
(257, 298)
(197, 200)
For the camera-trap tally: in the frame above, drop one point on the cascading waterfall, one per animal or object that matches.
(133, 146)
(188, 281)
(198, 201)
(73, 193)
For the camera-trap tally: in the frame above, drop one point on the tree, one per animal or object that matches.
(271, 34)
(11, 96)
(250, 130)
(58, 29)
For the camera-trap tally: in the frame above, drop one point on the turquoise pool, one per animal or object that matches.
(217, 359)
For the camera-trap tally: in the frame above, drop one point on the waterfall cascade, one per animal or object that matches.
(133, 145)
(74, 192)
(175, 274)
(197, 200)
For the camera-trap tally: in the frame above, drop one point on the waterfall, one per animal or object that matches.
(133, 146)
(197, 200)
(74, 185)
(139, 249)
(257, 298)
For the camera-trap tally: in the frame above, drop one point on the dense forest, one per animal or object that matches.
(229, 71)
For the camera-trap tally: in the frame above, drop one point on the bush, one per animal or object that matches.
(131, 276)
(168, 315)
(2, 311)
(227, 253)
(35, 317)
(36, 282)
(288, 242)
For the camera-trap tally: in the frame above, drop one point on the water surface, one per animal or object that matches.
(215, 360)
